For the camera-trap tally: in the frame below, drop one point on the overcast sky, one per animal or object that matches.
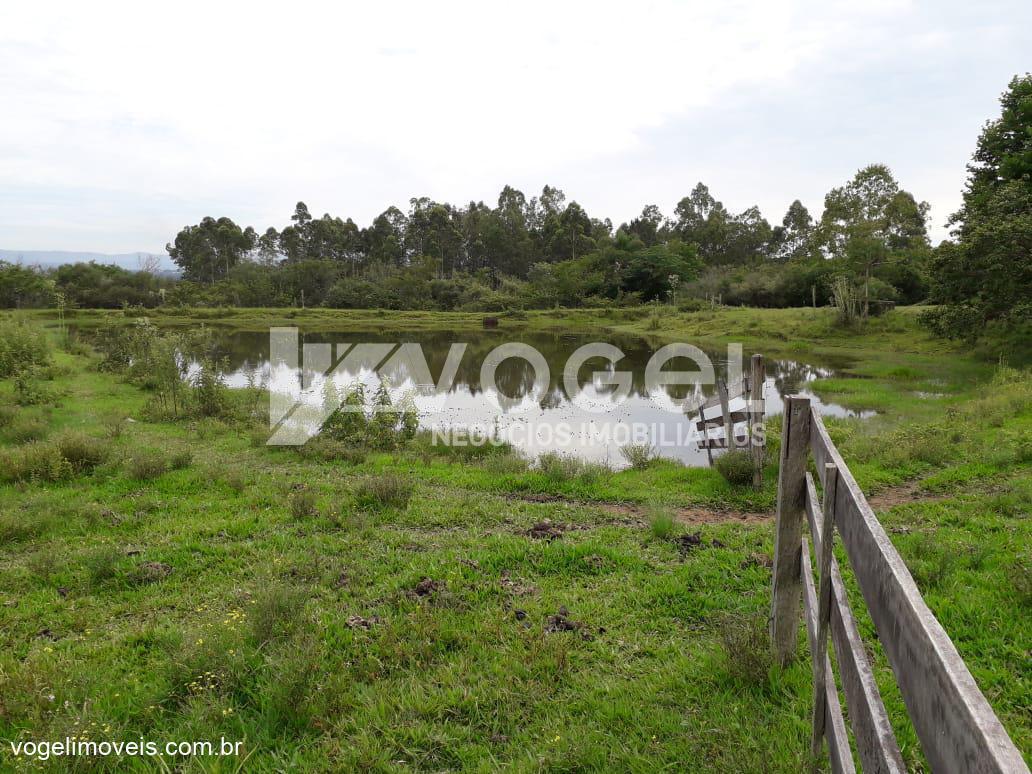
(123, 122)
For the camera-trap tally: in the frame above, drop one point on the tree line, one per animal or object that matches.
(545, 251)
(870, 241)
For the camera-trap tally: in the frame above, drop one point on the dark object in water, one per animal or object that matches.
(490, 322)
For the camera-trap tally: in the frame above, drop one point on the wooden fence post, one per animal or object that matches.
(820, 653)
(787, 581)
(756, 379)
(725, 410)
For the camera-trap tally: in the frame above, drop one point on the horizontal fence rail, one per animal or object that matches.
(750, 388)
(958, 730)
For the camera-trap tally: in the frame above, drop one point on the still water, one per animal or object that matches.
(590, 421)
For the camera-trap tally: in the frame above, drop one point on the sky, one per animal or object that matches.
(123, 122)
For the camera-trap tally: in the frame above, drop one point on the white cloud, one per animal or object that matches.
(246, 107)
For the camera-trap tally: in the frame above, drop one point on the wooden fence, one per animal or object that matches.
(749, 387)
(956, 726)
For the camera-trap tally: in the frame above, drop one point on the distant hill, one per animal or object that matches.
(47, 258)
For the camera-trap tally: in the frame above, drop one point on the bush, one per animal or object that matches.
(22, 347)
(147, 465)
(82, 452)
(25, 428)
(384, 491)
(661, 524)
(276, 613)
(687, 304)
(638, 455)
(848, 302)
(209, 391)
(559, 467)
(746, 645)
(102, 564)
(23, 526)
(510, 463)
(736, 466)
(27, 388)
(181, 459)
(235, 479)
(302, 503)
(325, 448)
(35, 461)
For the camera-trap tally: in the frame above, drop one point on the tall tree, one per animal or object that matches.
(648, 227)
(384, 240)
(701, 220)
(206, 252)
(986, 274)
(870, 221)
(791, 240)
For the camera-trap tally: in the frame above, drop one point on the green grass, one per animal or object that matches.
(389, 611)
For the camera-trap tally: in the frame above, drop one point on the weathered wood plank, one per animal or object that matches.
(738, 415)
(757, 377)
(725, 411)
(795, 438)
(834, 725)
(740, 442)
(734, 390)
(876, 744)
(958, 729)
(823, 604)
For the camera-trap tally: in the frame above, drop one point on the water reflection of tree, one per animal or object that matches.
(515, 376)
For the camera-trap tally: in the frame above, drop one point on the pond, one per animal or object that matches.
(589, 418)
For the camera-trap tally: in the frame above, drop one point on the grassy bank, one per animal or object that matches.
(412, 609)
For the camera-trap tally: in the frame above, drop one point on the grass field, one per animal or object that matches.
(419, 610)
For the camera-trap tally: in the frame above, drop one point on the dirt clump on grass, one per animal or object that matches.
(427, 587)
(516, 588)
(361, 622)
(560, 621)
(546, 529)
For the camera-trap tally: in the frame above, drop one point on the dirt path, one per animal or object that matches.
(904, 494)
(632, 513)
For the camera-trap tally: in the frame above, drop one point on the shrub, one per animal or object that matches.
(323, 447)
(209, 391)
(736, 466)
(43, 565)
(34, 461)
(847, 300)
(102, 564)
(276, 613)
(27, 388)
(26, 427)
(638, 455)
(81, 451)
(235, 478)
(147, 465)
(661, 524)
(22, 347)
(384, 491)
(559, 467)
(746, 646)
(114, 426)
(590, 472)
(510, 463)
(302, 503)
(687, 304)
(23, 526)
(181, 459)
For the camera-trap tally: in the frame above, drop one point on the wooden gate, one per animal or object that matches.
(958, 730)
